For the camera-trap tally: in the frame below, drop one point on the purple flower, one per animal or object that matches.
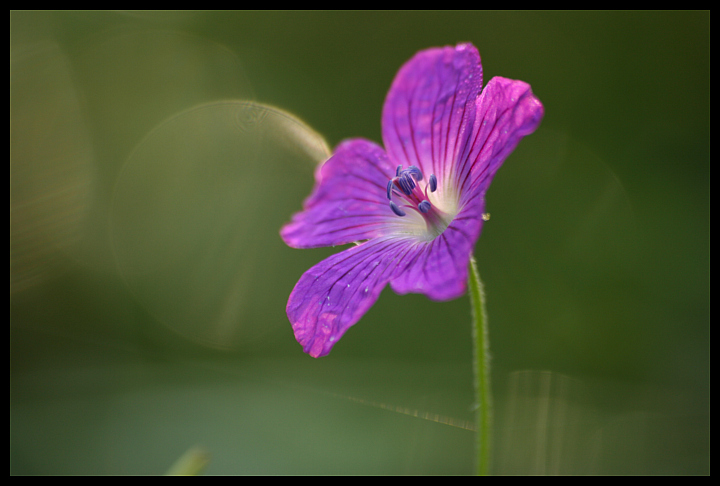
(415, 209)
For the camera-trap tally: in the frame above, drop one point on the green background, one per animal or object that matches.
(595, 260)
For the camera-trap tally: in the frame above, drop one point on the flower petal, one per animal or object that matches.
(334, 294)
(440, 270)
(349, 202)
(429, 109)
(506, 111)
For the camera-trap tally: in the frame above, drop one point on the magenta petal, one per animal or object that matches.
(440, 270)
(506, 111)
(334, 294)
(349, 202)
(429, 109)
(436, 117)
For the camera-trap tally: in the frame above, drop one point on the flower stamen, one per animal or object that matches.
(405, 186)
(432, 183)
(396, 209)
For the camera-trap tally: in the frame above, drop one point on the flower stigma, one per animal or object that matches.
(406, 188)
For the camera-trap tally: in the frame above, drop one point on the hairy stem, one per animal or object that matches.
(481, 367)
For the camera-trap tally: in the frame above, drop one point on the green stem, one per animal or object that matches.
(481, 365)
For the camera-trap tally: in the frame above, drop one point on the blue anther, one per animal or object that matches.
(409, 180)
(433, 183)
(415, 171)
(397, 171)
(396, 209)
(389, 188)
(424, 207)
(402, 183)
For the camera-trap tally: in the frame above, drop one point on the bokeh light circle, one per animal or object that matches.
(196, 213)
